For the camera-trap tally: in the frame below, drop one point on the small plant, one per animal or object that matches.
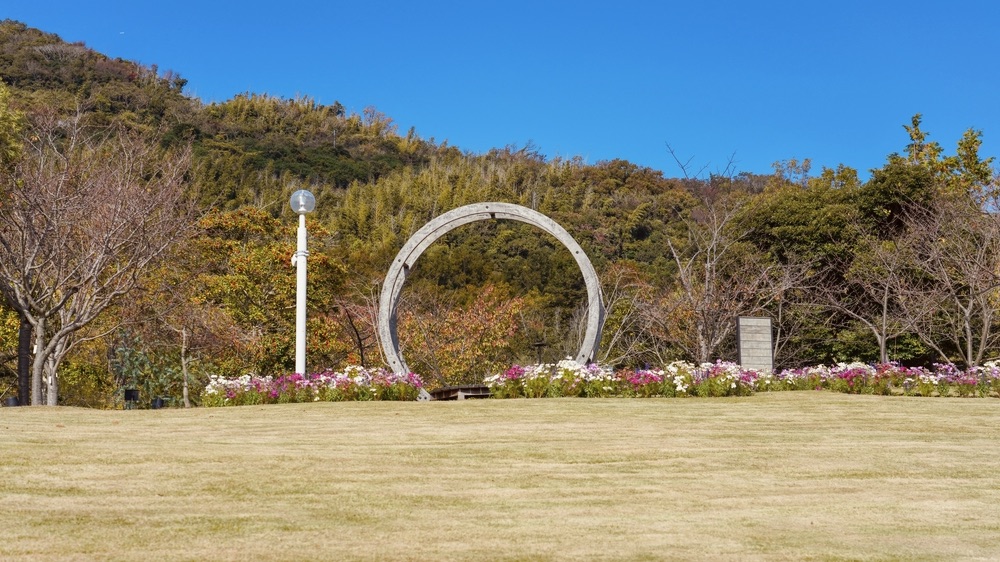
(644, 382)
(989, 375)
(509, 384)
(537, 381)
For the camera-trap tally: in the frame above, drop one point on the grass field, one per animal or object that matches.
(791, 475)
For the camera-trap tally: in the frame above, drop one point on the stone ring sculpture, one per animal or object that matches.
(441, 225)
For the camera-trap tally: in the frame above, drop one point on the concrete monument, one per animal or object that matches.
(756, 349)
(441, 225)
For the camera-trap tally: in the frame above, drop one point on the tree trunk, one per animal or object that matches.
(184, 367)
(24, 362)
(37, 364)
(357, 338)
(51, 382)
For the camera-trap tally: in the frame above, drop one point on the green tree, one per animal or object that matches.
(245, 272)
(12, 124)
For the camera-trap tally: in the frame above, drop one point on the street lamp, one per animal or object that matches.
(302, 202)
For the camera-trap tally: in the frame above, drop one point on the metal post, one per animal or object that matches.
(302, 202)
(300, 298)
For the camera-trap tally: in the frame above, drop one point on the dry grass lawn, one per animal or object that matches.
(793, 475)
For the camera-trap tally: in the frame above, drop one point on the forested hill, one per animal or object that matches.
(679, 258)
(237, 141)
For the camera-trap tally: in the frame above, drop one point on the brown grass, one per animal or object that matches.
(794, 475)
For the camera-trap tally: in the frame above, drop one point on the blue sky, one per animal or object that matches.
(757, 82)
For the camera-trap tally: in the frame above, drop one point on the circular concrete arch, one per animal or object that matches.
(441, 225)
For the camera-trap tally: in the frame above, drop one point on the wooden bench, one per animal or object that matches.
(461, 392)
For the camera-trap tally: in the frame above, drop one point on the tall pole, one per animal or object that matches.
(300, 298)
(302, 202)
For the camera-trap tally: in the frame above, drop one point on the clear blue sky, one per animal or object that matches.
(759, 81)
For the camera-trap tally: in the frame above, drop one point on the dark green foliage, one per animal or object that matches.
(253, 135)
(894, 190)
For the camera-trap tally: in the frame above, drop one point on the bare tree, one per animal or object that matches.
(168, 316)
(83, 214)
(359, 316)
(719, 277)
(871, 288)
(951, 299)
(200, 328)
(788, 299)
(625, 337)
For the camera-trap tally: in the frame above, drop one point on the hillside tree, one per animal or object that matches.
(84, 212)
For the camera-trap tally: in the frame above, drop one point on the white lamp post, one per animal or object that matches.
(302, 202)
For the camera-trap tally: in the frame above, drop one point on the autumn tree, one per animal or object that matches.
(244, 271)
(84, 213)
(459, 343)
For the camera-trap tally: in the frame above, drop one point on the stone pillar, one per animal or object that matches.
(754, 336)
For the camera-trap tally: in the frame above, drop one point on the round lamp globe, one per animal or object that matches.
(303, 202)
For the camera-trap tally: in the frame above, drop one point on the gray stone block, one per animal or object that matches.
(755, 343)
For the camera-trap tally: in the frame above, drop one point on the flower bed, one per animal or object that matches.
(353, 383)
(891, 378)
(569, 378)
(680, 378)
